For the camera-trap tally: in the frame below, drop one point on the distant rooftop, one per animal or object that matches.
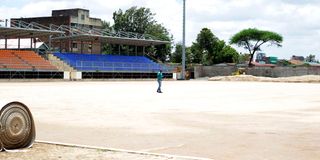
(71, 9)
(69, 12)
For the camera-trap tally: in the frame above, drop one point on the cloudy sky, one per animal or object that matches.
(298, 21)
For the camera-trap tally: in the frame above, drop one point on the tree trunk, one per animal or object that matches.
(250, 62)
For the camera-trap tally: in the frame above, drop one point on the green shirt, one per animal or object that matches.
(159, 76)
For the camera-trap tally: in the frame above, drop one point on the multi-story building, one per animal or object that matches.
(69, 17)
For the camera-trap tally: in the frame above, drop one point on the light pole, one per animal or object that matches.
(184, 41)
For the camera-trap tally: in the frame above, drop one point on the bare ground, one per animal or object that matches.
(218, 120)
(46, 151)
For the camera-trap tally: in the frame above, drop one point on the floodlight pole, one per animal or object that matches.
(184, 41)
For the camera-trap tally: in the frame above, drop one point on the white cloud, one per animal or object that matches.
(296, 20)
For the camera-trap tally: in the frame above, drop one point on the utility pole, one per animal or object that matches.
(184, 41)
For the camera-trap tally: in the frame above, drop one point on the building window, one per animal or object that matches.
(82, 16)
(74, 45)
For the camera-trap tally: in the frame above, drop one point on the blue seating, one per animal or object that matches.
(115, 63)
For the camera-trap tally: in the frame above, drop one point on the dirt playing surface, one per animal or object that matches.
(218, 120)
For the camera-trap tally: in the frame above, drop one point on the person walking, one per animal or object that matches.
(159, 79)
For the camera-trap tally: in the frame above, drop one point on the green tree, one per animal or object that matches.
(207, 42)
(208, 49)
(106, 26)
(252, 39)
(161, 33)
(133, 20)
(311, 58)
(197, 55)
(243, 58)
(107, 48)
(141, 20)
(176, 56)
(227, 54)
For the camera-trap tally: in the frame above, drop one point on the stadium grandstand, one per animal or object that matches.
(73, 49)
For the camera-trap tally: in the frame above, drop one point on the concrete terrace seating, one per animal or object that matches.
(8, 60)
(24, 60)
(35, 60)
(100, 62)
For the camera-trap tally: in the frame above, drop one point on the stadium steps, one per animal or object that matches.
(24, 61)
(36, 61)
(60, 64)
(12, 62)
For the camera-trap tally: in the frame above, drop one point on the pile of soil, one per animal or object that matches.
(297, 79)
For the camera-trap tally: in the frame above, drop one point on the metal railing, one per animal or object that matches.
(81, 30)
(101, 66)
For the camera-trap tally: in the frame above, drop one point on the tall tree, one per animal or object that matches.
(106, 26)
(208, 49)
(252, 39)
(207, 42)
(133, 20)
(107, 48)
(141, 20)
(176, 56)
(196, 53)
(160, 32)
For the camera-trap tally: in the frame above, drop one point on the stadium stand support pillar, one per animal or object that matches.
(81, 46)
(35, 44)
(143, 50)
(119, 50)
(31, 43)
(136, 49)
(60, 46)
(50, 41)
(19, 43)
(91, 50)
(67, 48)
(5, 43)
(71, 47)
(100, 47)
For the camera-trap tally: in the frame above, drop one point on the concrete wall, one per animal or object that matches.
(86, 19)
(46, 21)
(211, 71)
(79, 16)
